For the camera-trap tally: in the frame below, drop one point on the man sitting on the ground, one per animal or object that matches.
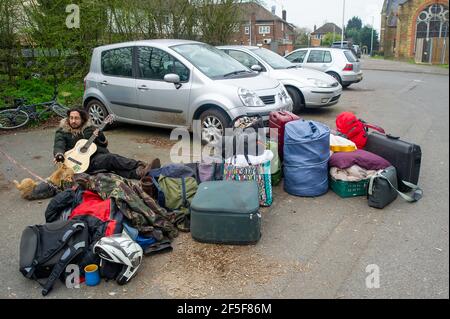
(77, 126)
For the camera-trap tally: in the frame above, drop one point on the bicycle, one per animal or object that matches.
(21, 113)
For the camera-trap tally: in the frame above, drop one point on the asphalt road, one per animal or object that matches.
(310, 247)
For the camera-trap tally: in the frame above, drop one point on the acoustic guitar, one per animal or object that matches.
(78, 158)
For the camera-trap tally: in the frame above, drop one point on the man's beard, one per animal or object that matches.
(74, 126)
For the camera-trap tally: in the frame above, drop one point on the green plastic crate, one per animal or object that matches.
(349, 189)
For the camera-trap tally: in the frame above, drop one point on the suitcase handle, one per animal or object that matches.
(393, 137)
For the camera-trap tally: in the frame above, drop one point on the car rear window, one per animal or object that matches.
(350, 56)
(118, 62)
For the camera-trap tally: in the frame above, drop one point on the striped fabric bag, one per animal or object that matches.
(255, 172)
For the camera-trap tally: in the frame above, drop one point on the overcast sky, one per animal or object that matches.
(306, 13)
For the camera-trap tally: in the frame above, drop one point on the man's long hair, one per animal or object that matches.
(83, 114)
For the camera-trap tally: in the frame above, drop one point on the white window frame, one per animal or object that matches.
(247, 30)
(264, 29)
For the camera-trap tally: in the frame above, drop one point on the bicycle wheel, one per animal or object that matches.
(59, 109)
(13, 118)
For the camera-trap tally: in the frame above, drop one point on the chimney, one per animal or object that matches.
(284, 15)
(315, 28)
(274, 9)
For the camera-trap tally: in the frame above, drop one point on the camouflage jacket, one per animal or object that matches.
(141, 210)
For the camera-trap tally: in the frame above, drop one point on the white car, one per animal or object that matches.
(342, 64)
(307, 88)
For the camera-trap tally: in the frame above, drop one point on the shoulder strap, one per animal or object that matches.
(183, 189)
(69, 254)
(416, 192)
(155, 182)
(372, 126)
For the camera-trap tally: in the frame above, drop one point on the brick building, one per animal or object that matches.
(318, 34)
(263, 28)
(415, 29)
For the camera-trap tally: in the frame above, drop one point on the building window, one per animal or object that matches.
(247, 30)
(264, 29)
(433, 22)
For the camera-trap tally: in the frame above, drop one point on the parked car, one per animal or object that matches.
(307, 88)
(343, 45)
(341, 64)
(170, 83)
(357, 49)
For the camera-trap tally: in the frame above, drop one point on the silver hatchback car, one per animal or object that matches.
(341, 64)
(170, 83)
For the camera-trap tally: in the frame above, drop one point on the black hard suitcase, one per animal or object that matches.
(226, 212)
(404, 156)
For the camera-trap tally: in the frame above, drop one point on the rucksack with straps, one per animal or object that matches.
(46, 250)
(176, 186)
(354, 128)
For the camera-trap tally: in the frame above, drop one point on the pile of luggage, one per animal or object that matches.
(351, 160)
(113, 222)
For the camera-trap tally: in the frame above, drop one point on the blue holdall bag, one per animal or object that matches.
(306, 155)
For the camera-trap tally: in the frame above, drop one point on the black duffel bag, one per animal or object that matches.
(383, 189)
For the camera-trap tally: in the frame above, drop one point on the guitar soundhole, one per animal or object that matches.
(83, 150)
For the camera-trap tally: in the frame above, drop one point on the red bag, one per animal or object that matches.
(278, 120)
(354, 129)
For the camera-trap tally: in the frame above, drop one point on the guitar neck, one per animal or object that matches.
(93, 137)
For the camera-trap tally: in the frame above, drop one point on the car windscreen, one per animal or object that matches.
(350, 56)
(211, 61)
(274, 60)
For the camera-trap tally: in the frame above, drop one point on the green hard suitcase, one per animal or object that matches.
(226, 212)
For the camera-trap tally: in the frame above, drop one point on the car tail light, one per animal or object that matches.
(348, 67)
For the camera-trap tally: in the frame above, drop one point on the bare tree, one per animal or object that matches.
(218, 19)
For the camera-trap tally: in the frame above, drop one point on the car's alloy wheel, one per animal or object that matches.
(97, 113)
(212, 128)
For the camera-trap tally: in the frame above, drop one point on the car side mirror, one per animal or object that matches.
(173, 78)
(256, 68)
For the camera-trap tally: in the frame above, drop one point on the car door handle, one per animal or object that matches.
(143, 88)
(104, 82)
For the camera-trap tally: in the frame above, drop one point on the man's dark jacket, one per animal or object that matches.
(66, 137)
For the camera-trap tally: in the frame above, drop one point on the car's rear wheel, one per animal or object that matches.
(214, 122)
(336, 76)
(296, 99)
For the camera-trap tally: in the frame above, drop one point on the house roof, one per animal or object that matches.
(328, 28)
(262, 14)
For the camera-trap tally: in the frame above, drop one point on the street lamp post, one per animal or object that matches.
(343, 25)
(371, 39)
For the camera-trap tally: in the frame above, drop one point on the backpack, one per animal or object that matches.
(178, 192)
(46, 250)
(354, 129)
(176, 186)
